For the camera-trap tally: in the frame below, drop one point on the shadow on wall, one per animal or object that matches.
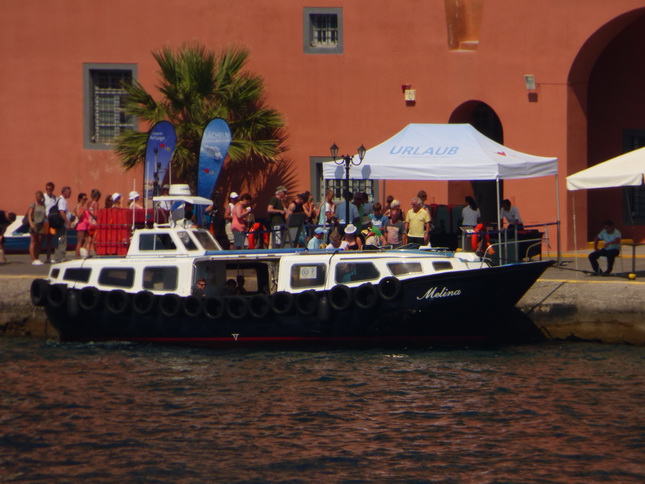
(258, 178)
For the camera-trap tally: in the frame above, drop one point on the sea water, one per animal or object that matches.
(556, 412)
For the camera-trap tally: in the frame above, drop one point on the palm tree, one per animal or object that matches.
(198, 85)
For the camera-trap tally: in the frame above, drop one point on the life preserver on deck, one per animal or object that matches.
(117, 301)
(307, 302)
(259, 305)
(365, 296)
(143, 302)
(214, 307)
(282, 302)
(89, 298)
(38, 292)
(237, 306)
(260, 238)
(340, 297)
(480, 240)
(56, 295)
(170, 305)
(192, 305)
(389, 288)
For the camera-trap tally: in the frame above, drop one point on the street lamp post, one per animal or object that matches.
(348, 161)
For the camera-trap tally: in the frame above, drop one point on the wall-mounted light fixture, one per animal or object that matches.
(529, 82)
(531, 87)
(409, 94)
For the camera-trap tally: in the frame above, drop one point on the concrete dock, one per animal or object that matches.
(565, 303)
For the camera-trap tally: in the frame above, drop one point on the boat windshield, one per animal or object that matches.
(206, 240)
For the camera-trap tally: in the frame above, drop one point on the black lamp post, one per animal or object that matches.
(348, 161)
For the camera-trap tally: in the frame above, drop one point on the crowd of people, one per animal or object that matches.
(50, 217)
(323, 225)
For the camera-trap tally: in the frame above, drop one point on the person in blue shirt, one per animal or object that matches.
(316, 242)
(378, 217)
(611, 237)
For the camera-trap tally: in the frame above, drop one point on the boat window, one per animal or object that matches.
(77, 274)
(187, 241)
(308, 275)
(160, 278)
(206, 240)
(153, 241)
(117, 276)
(54, 274)
(442, 266)
(403, 268)
(356, 271)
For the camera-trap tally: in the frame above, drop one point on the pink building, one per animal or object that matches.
(336, 71)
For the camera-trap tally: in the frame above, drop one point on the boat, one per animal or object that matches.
(400, 296)
(17, 238)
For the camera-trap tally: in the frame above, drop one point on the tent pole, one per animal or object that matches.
(499, 222)
(557, 207)
(575, 229)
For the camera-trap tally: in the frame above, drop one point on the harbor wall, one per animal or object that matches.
(587, 310)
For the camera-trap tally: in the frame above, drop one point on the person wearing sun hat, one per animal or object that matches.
(134, 199)
(116, 200)
(353, 242)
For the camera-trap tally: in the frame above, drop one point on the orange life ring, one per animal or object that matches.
(477, 238)
(258, 227)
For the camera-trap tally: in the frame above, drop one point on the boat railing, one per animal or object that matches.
(513, 251)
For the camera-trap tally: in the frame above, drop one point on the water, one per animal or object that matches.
(105, 413)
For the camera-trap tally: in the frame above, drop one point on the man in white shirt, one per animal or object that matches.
(512, 216)
(50, 201)
(61, 232)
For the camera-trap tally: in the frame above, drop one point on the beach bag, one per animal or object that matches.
(54, 218)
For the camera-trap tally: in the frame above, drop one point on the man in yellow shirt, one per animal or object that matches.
(417, 223)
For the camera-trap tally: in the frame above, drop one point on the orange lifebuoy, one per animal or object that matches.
(478, 238)
(264, 241)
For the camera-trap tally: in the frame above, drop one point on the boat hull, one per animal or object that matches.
(451, 307)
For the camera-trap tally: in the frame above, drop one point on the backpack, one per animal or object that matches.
(54, 218)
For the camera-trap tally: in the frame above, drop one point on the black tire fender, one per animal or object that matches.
(57, 295)
(38, 292)
(170, 305)
(366, 296)
(389, 288)
(259, 306)
(340, 297)
(143, 302)
(72, 304)
(214, 307)
(307, 302)
(282, 302)
(237, 307)
(117, 301)
(89, 298)
(192, 305)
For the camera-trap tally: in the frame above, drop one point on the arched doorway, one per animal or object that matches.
(606, 107)
(484, 119)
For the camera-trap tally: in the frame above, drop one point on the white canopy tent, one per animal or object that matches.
(443, 152)
(624, 170)
(446, 152)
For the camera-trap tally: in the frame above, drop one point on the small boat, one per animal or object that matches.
(17, 238)
(377, 297)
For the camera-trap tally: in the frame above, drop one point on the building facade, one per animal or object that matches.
(549, 78)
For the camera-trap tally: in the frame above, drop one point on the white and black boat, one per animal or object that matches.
(401, 296)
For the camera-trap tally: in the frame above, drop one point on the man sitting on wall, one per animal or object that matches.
(611, 237)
